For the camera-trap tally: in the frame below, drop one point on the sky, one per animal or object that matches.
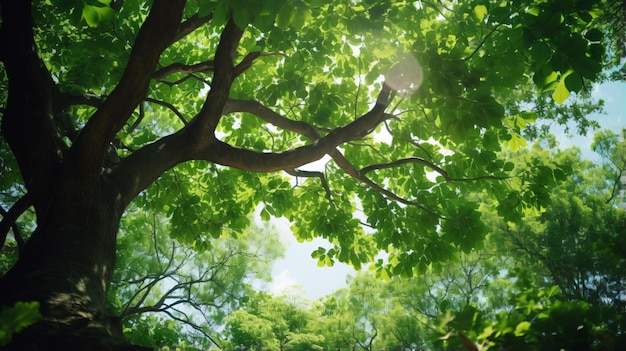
(297, 273)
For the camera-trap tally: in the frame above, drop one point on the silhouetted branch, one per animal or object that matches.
(168, 106)
(311, 174)
(206, 66)
(8, 221)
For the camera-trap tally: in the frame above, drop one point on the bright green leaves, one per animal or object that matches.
(560, 92)
(557, 50)
(92, 12)
(263, 15)
(97, 11)
(480, 11)
(214, 202)
(463, 119)
(285, 16)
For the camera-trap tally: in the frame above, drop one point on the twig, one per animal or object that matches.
(482, 42)
(169, 106)
(311, 174)
(206, 66)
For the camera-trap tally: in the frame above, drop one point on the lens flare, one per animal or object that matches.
(405, 76)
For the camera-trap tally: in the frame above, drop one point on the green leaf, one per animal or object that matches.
(574, 82)
(560, 92)
(242, 17)
(480, 11)
(285, 16)
(14, 319)
(93, 15)
(594, 34)
(522, 328)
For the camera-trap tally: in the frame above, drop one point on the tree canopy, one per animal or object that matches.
(203, 112)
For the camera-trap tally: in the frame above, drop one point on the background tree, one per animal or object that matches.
(206, 108)
(271, 323)
(333, 325)
(563, 267)
(195, 290)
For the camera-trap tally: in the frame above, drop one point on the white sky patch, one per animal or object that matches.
(318, 165)
(283, 283)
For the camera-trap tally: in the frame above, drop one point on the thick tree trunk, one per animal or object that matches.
(66, 267)
(68, 261)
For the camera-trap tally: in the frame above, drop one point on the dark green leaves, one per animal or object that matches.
(463, 226)
(17, 317)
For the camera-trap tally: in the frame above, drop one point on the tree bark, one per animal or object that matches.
(66, 266)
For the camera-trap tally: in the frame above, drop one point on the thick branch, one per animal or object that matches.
(145, 165)
(261, 111)
(206, 121)
(248, 160)
(156, 33)
(197, 141)
(28, 122)
(256, 108)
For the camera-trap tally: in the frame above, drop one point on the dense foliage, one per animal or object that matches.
(124, 121)
(553, 281)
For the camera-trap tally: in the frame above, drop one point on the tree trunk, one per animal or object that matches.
(68, 261)
(67, 266)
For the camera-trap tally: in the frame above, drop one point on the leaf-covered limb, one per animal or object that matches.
(403, 161)
(155, 34)
(349, 168)
(428, 164)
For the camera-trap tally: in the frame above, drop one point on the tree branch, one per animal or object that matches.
(142, 167)
(206, 121)
(89, 149)
(206, 66)
(197, 140)
(256, 108)
(227, 155)
(311, 174)
(168, 106)
(189, 25)
(28, 122)
(8, 220)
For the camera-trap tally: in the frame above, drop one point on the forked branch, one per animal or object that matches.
(89, 148)
(10, 217)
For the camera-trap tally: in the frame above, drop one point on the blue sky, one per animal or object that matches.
(299, 270)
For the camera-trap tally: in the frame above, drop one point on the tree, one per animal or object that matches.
(203, 107)
(271, 323)
(564, 280)
(183, 288)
